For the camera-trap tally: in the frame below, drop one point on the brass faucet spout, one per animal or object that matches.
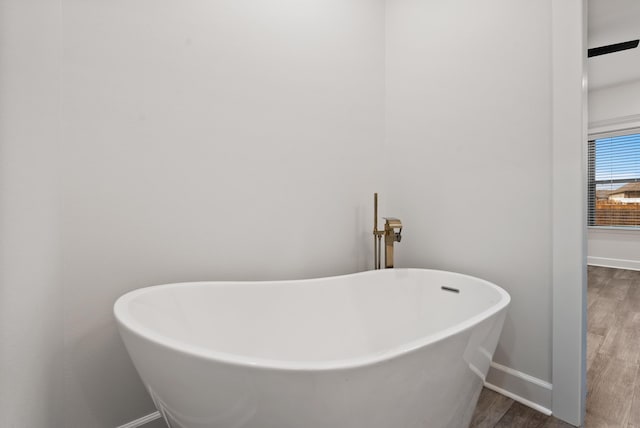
(390, 237)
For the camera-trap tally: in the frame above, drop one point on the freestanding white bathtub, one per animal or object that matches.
(394, 348)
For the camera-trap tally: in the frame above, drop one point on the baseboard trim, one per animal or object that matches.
(142, 421)
(521, 387)
(519, 399)
(613, 263)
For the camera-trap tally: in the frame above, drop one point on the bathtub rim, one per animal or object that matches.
(128, 322)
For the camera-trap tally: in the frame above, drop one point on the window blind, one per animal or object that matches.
(614, 181)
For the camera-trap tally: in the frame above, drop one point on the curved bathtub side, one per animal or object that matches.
(363, 318)
(435, 386)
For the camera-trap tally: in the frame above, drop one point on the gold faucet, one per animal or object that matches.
(390, 237)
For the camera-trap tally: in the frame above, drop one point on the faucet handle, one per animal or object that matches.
(393, 222)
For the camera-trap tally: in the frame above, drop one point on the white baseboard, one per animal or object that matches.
(614, 263)
(142, 421)
(521, 387)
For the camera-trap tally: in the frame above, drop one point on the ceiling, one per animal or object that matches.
(613, 21)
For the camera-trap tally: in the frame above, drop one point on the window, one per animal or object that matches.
(614, 181)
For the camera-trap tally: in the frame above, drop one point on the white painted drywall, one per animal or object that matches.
(233, 139)
(617, 107)
(30, 290)
(614, 248)
(613, 21)
(469, 133)
(614, 102)
(243, 140)
(474, 109)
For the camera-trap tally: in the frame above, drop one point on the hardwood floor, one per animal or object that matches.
(497, 411)
(613, 348)
(613, 361)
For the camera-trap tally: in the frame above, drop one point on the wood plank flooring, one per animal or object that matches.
(497, 411)
(613, 362)
(613, 348)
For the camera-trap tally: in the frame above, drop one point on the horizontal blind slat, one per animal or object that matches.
(614, 181)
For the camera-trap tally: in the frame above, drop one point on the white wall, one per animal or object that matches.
(30, 290)
(243, 139)
(614, 102)
(615, 107)
(614, 248)
(469, 133)
(208, 140)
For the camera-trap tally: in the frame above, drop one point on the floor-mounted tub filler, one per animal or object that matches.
(395, 348)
